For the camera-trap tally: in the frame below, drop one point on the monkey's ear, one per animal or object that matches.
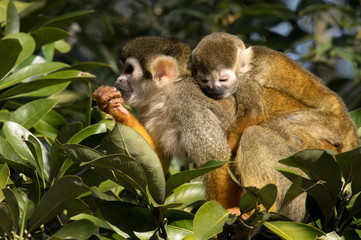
(164, 70)
(243, 60)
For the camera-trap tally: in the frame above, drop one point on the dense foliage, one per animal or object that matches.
(68, 171)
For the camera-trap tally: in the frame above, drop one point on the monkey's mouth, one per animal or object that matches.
(125, 89)
(214, 94)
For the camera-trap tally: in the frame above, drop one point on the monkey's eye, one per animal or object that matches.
(129, 69)
(223, 79)
(204, 80)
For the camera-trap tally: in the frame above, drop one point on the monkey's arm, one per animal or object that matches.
(109, 101)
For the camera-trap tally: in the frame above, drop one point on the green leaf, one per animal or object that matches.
(68, 131)
(81, 230)
(45, 86)
(311, 161)
(88, 131)
(67, 18)
(27, 43)
(30, 113)
(16, 135)
(32, 70)
(81, 154)
(356, 117)
(12, 205)
(123, 139)
(178, 179)
(56, 199)
(247, 203)
(4, 177)
(63, 47)
(6, 222)
(48, 51)
(13, 21)
(187, 194)
(209, 220)
(293, 192)
(266, 195)
(127, 217)
(122, 169)
(293, 230)
(57, 156)
(350, 167)
(9, 52)
(47, 35)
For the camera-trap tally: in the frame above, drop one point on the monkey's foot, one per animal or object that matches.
(234, 211)
(109, 100)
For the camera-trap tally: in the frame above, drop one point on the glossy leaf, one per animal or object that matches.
(4, 177)
(209, 220)
(6, 222)
(311, 161)
(27, 43)
(178, 179)
(266, 195)
(350, 167)
(123, 170)
(9, 52)
(187, 194)
(16, 135)
(123, 139)
(47, 35)
(63, 47)
(88, 131)
(82, 230)
(54, 80)
(356, 117)
(247, 203)
(56, 199)
(127, 217)
(293, 230)
(68, 131)
(81, 154)
(13, 21)
(12, 205)
(30, 113)
(32, 70)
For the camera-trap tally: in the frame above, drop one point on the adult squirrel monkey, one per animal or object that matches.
(300, 111)
(179, 118)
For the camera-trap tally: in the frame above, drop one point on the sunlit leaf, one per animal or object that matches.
(293, 230)
(30, 113)
(187, 194)
(81, 230)
(209, 220)
(88, 131)
(27, 43)
(32, 70)
(123, 139)
(178, 179)
(13, 22)
(4, 177)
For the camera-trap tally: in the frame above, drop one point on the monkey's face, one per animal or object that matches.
(217, 84)
(129, 82)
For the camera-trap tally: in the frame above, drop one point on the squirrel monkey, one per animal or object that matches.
(300, 112)
(180, 119)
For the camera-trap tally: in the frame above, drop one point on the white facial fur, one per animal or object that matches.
(222, 82)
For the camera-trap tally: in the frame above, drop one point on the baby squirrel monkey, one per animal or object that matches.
(300, 112)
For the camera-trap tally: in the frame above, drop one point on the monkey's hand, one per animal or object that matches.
(109, 101)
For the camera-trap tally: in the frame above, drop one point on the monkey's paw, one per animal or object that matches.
(109, 100)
